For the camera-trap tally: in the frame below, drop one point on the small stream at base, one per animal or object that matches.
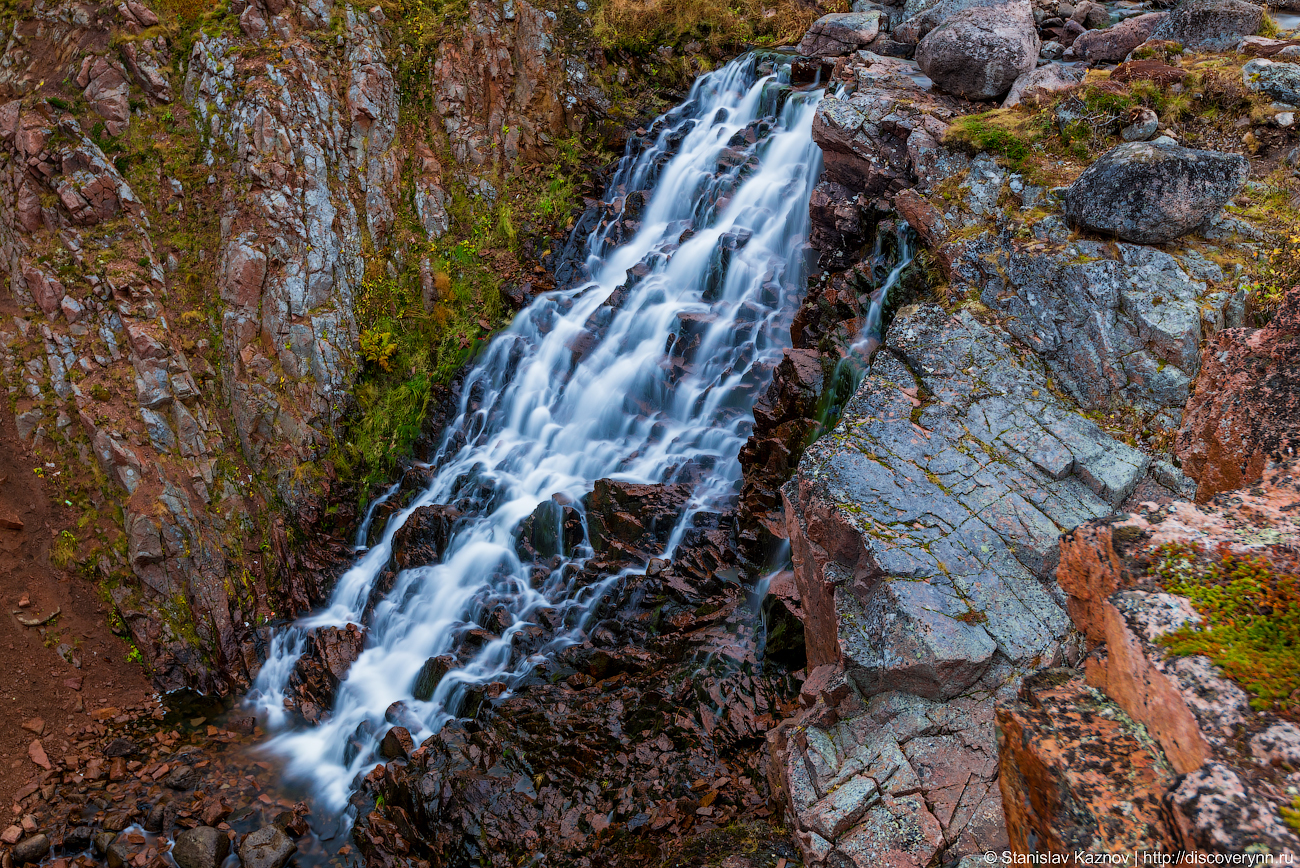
(647, 374)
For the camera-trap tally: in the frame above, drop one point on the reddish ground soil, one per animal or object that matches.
(35, 682)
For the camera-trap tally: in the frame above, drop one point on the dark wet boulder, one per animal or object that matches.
(268, 847)
(1214, 25)
(426, 682)
(201, 847)
(553, 528)
(326, 659)
(839, 33)
(182, 777)
(635, 518)
(423, 538)
(396, 743)
(979, 53)
(31, 850)
(1148, 192)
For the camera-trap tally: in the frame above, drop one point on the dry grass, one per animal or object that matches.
(641, 26)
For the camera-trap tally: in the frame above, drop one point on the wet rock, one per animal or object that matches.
(1246, 409)
(1148, 193)
(1066, 758)
(329, 653)
(1043, 80)
(1113, 44)
(396, 743)
(839, 33)
(182, 777)
(77, 839)
(31, 849)
(553, 528)
(1280, 81)
(1210, 25)
(429, 676)
(268, 847)
(979, 53)
(201, 847)
(633, 517)
(423, 538)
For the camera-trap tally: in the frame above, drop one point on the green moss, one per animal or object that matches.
(1252, 619)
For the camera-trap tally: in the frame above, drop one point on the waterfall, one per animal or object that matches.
(645, 373)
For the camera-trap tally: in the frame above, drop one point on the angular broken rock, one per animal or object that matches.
(396, 743)
(1148, 193)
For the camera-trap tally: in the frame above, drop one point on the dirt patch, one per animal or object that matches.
(36, 683)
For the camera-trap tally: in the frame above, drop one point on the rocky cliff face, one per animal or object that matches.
(187, 219)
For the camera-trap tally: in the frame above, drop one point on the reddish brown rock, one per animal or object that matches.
(1067, 756)
(423, 538)
(1246, 408)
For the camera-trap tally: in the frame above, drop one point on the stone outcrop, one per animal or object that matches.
(1244, 412)
(1039, 83)
(979, 53)
(1152, 192)
(1225, 790)
(924, 533)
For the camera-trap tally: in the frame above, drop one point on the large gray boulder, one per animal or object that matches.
(1214, 25)
(1280, 81)
(839, 33)
(1114, 43)
(979, 53)
(1148, 192)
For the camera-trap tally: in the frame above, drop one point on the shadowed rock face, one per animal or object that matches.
(1148, 193)
(1246, 409)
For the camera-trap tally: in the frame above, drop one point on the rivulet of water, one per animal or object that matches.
(631, 376)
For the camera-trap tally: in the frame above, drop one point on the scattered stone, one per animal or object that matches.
(182, 777)
(120, 747)
(1148, 193)
(35, 726)
(1143, 123)
(36, 752)
(396, 743)
(1041, 81)
(1281, 81)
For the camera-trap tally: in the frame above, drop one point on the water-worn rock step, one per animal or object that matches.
(924, 530)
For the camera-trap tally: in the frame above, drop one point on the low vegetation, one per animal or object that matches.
(1252, 620)
(642, 26)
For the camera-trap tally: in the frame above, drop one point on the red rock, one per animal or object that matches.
(37, 754)
(36, 726)
(1066, 760)
(1247, 403)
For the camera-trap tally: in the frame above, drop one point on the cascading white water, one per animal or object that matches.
(576, 390)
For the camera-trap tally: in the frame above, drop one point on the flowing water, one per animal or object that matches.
(587, 383)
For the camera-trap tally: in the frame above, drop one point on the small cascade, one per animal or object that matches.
(644, 370)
